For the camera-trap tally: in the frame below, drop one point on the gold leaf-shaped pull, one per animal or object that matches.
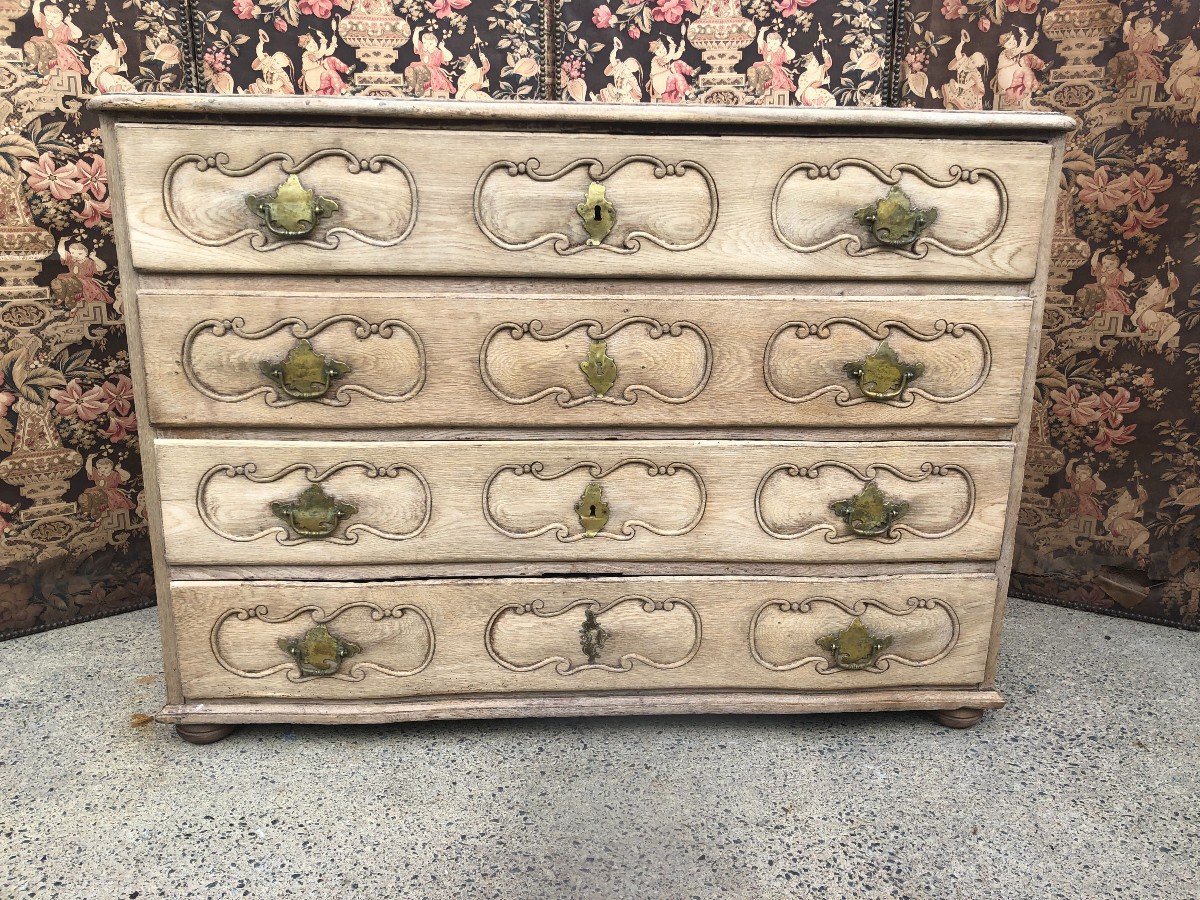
(599, 368)
(293, 210)
(597, 213)
(314, 514)
(894, 221)
(854, 647)
(881, 375)
(318, 652)
(592, 510)
(869, 513)
(592, 636)
(304, 374)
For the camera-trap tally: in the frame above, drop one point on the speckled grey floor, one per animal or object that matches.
(1085, 787)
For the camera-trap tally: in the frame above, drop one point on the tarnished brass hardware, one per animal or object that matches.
(597, 213)
(304, 374)
(293, 210)
(881, 375)
(894, 221)
(854, 647)
(319, 652)
(869, 513)
(314, 514)
(592, 636)
(592, 510)
(599, 368)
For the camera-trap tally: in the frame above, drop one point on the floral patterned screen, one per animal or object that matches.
(1112, 484)
(1113, 481)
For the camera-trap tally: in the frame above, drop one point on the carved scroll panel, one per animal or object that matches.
(205, 198)
(390, 500)
(797, 502)
(521, 205)
(805, 361)
(640, 496)
(814, 207)
(223, 358)
(387, 641)
(638, 632)
(526, 362)
(919, 632)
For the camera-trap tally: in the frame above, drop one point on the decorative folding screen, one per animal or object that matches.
(1113, 482)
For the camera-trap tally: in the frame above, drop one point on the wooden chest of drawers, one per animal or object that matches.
(493, 410)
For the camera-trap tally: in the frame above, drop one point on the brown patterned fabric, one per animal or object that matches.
(1112, 485)
(72, 531)
(439, 49)
(1113, 481)
(762, 52)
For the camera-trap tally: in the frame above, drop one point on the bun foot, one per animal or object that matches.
(963, 717)
(204, 734)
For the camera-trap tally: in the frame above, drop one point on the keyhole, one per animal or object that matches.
(593, 510)
(596, 209)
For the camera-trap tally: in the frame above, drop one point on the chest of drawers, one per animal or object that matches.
(495, 410)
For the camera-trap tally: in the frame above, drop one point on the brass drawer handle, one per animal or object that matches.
(304, 374)
(592, 636)
(599, 368)
(592, 509)
(881, 375)
(894, 221)
(314, 514)
(598, 214)
(869, 513)
(854, 647)
(293, 210)
(318, 652)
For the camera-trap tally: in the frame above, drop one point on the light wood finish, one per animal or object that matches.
(580, 116)
(516, 500)
(515, 635)
(505, 203)
(739, 360)
(632, 703)
(459, 581)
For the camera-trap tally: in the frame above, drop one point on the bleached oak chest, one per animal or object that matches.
(494, 410)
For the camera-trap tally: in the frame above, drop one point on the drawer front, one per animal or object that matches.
(346, 502)
(323, 641)
(312, 360)
(376, 201)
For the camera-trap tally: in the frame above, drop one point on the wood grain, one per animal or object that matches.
(464, 433)
(446, 167)
(703, 641)
(739, 360)
(675, 501)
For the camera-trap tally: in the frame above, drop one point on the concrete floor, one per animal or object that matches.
(1085, 787)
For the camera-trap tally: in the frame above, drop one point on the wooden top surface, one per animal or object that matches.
(541, 115)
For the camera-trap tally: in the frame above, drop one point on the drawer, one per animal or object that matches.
(390, 201)
(321, 641)
(570, 502)
(361, 360)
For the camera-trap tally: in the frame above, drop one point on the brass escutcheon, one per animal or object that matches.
(881, 375)
(854, 647)
(318, 652)
(592, 510)
(314, 514)
(597, 213)
(869, 513)
(894, 221)
(304, 374)
(592, 636)
(599, 368)
(293, 210)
